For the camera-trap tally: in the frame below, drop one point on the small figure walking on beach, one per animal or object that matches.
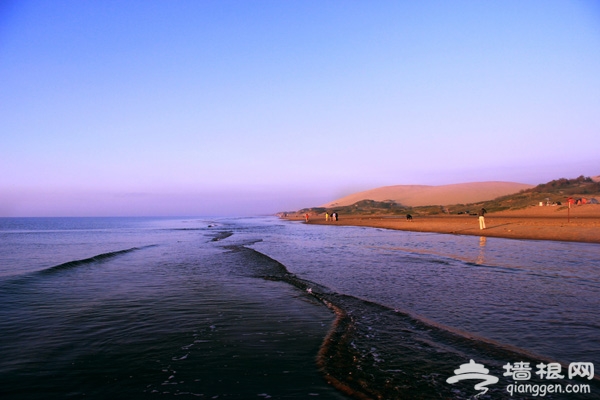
(306, 217)
(326, 216)
(481, 214)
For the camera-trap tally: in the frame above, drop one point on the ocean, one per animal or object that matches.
(262, 308)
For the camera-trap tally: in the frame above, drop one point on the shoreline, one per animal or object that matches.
(579, 224)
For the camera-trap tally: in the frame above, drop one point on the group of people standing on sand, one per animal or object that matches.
(333, 216)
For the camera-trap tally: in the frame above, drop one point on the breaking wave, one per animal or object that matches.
(95, 259)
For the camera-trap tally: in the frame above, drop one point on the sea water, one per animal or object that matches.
(243, 308)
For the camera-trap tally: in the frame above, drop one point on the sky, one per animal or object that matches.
(201, 108)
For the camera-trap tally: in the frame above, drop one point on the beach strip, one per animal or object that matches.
(579, 224)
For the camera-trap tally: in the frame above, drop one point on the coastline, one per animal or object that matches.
(579, 224)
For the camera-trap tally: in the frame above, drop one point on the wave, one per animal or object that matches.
(375, 352)
(221, 235)
(97, 258)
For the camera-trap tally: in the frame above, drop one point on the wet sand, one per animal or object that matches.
(578, 224)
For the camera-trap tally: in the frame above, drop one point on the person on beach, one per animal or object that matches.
(306, 217)
(335, 215)
(326, 216)
(481, 214)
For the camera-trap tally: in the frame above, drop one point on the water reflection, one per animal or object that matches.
(481, 256)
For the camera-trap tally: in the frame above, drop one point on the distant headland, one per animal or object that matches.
(562, 209)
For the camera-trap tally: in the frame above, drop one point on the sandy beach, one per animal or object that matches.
(578, 224)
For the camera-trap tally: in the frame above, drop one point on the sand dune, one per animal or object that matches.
(422, 195)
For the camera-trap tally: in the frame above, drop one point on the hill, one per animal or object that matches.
(422, 195)
(555, 192)
(431, 200)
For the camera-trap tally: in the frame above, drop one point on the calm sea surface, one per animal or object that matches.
(254, 308)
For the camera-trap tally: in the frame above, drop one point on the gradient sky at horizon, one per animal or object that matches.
(253, 107)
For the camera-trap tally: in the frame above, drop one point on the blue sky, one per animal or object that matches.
(253, 107)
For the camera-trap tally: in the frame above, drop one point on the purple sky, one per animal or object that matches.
(240, 108)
